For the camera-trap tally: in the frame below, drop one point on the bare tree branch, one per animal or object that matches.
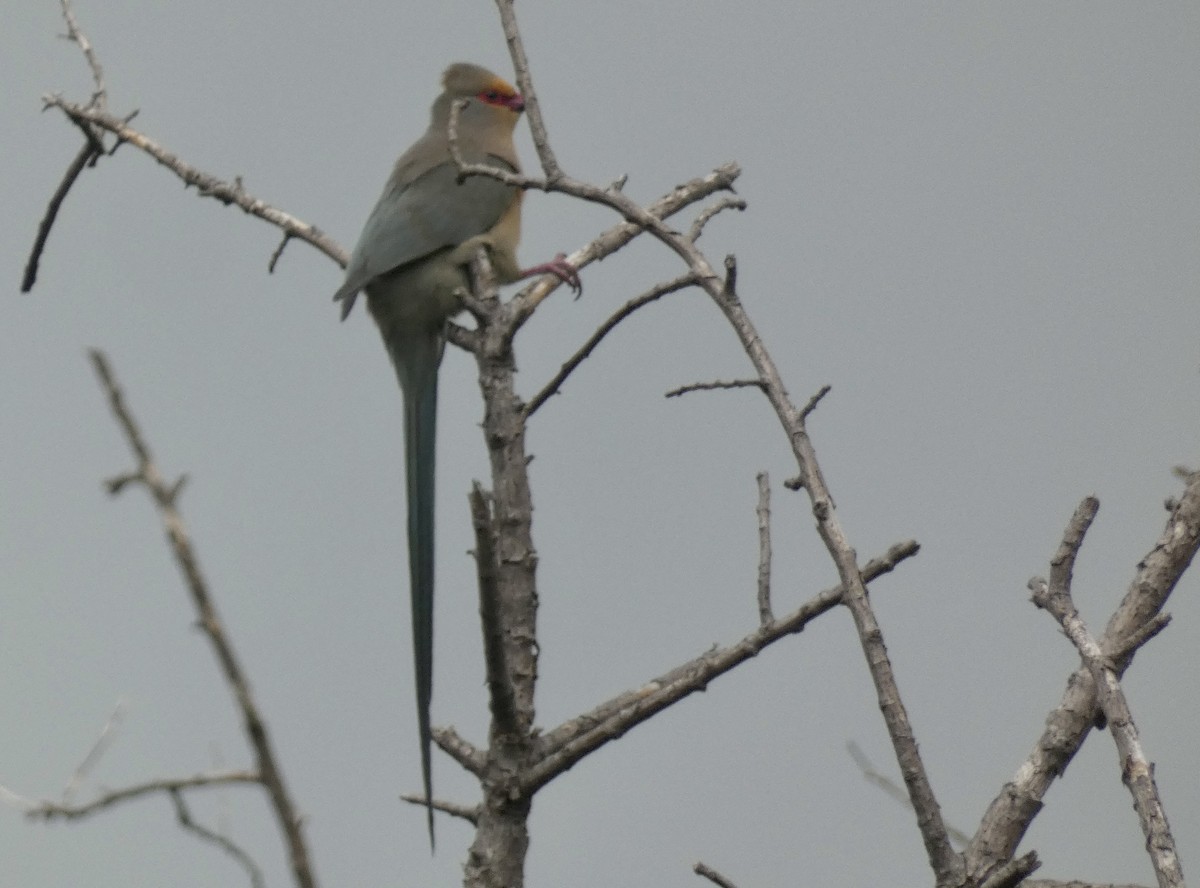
(206, 184)
(223, 842)
(469, 813)
(1012, 811)
(472, 759)
(716, 385)
(1137, 772)
(500, 688)
(725, 203)
(75, 35)
(87, 154)
(164, 496)
(1052, 883)
(1012, 872)
(654, 293)
(561, 748)
(57, 810)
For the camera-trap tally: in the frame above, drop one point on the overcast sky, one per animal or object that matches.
(978, 222)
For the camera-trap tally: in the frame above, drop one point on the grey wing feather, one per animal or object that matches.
(429, 213)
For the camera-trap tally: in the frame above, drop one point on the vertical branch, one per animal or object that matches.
(537, 126)
(497, 856)
(763, 511)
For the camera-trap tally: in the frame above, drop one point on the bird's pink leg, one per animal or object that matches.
(561, 269)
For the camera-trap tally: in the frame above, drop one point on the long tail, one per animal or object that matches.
(416, 361)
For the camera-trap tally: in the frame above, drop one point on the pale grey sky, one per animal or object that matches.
(978, 222)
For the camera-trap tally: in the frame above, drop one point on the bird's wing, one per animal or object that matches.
(431, 212)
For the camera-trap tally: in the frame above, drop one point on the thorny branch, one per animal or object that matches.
(165, 497)
(989, 861)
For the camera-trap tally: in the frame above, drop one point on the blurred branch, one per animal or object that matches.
(165, 498)
(703, 869)
(64, 811)
(223, 842)
(107, 734)
(892, 789)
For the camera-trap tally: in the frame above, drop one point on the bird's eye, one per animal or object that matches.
(492, 95)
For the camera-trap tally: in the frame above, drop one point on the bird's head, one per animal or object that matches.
(466, 81)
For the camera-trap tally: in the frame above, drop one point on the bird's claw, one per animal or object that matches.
(561, 269)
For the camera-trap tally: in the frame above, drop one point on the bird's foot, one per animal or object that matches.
(561, 269)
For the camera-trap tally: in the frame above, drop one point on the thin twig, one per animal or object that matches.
(469, 813)
(57, 810)
(257, 735)
(206, 184)
(654, 293)
(86, 155)
(223, 842)
(76, 35)
(725, 203)
(715, 385)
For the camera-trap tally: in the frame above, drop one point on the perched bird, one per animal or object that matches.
(411, 259)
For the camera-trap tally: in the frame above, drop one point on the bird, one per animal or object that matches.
(411, 260)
